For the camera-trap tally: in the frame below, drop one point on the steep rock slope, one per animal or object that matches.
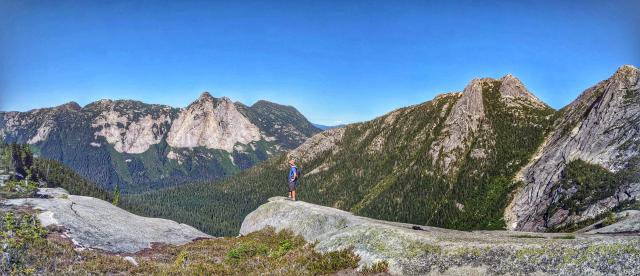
(138, 146)
(423, 250)
(589, 164)
(129, 126)
(212, 123)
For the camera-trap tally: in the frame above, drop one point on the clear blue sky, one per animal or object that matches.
(336, 61)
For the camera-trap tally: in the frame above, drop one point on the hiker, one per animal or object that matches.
(294, 174)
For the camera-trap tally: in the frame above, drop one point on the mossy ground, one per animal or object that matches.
(31, 249)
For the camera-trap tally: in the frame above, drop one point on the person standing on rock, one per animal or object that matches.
(294, 174)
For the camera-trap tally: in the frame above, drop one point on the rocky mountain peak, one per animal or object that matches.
(514, 91)
(70, 106)
(205, 96)
(626, 70)
(212, 123)
(627, 77)
(207, 99)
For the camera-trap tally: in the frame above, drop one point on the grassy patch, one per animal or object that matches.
(377, 267)
(527, 236)
(33, 250)
(565, 237)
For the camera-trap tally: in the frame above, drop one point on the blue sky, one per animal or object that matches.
(336, 61)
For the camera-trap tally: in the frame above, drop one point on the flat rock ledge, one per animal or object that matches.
(95, 223)
(422, 250)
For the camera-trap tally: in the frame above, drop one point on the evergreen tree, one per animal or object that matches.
(116, 196)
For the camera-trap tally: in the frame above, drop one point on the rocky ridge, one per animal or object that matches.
(413, 249)
(136, 145)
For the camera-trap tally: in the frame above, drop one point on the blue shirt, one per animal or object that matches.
(292, 173)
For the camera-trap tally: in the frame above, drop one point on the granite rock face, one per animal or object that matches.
(601, 127)
(515, 93)
(463, 122)
(468, 123)
(212, 123)
(422, 250)
(94, 223)
(130, 132)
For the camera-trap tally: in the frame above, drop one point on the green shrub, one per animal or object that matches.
(18, 189)
(21, 234)
(527, 236)
(283, 248)
(325, 263)
(610, 219)
(377, 267)
(565, 237)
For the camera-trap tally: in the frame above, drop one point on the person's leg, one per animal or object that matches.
(293, 193)
(291, 188)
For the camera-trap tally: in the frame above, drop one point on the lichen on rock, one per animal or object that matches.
(419, 250)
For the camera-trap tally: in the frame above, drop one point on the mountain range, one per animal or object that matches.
(492, 156)
(139, 146)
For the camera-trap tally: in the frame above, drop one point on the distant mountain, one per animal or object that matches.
(138, 146)
(489, 157)
(323, 127)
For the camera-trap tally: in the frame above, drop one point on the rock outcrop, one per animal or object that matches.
(462, 124)
(515, 93)
(130, 126)
(421, 250)
(212, 123)
(94, 223)
(601, 127)
(318, 144)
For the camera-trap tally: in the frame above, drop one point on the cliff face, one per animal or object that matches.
(464, 121)
(130, 127)
(212, 123)
(599, 130)
(139, 146)
(420, 250)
